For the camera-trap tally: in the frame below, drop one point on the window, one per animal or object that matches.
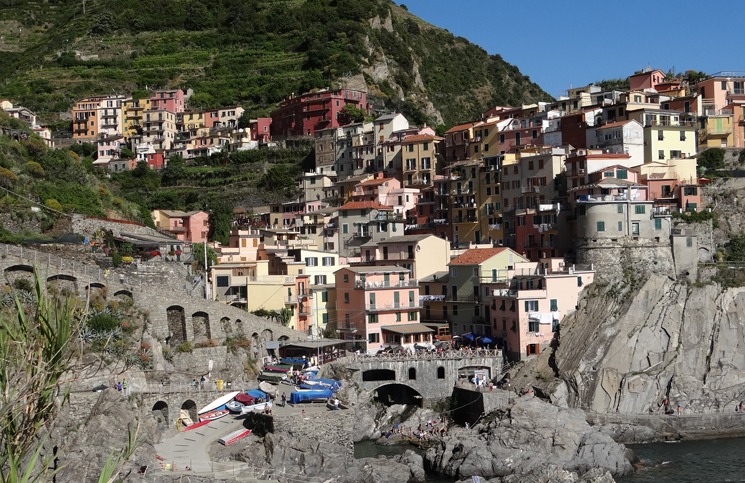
(554, 305)
(690, 191)
(324, 295)
(412, 374)
(412, 316)
(675, 154)
(311, 261)
(501, 138)
(325, 319)
(374, 338)
(535, 133)
(346, 277)
(533, 325)
(601, 226)
(622, 174)
(328, 261)
(372, 318)
(531, 306)
(579, 281)
(486, 147)
(346, 298)
(661, 154)
(453, 272)
(682, 135)
(658, 223)
(619, 207)
(554, 325)
(398, 316)
(440, 373)
(425, 146)
(635, 228)
(455, 309)
(660, 135)
(345, 228)
(689, 242)
(640, 209)
(620, 226)
(223, 281)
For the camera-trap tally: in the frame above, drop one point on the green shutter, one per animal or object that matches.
(554, 305)
(658, 224)
(620, 208)
(527, 306)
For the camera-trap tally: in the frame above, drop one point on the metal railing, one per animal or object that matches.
(221, 470)
(463, 353)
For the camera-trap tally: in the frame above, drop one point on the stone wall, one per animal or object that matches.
(87, 226)
(612, 257)
(16, 224)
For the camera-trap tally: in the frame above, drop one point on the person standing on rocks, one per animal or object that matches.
(124, 386)
(284, 399)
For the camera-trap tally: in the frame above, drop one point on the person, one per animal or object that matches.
(116, 386)
(468, 426)
(740, 406)
(105, 273)
(680, 408)
(336, 404)
(193, 383)
(284, 399)
(201, 382)
(303, 412)
(124, 386)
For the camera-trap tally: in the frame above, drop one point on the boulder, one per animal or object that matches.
(415, 462)
(533, 433)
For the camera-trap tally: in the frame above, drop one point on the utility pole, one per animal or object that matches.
(83, 7)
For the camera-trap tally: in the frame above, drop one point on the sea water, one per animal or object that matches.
(708, 461)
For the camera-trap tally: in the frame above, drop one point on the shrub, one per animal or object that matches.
(712, 158)
(23, 284)
(185, 347)
(103, 323)
(116, 259)
(235, 343)
(53, 204)
(206, 343)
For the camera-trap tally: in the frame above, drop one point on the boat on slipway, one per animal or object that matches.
(217, 408)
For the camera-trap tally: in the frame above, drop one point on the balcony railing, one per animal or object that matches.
(462, 298)
(393, 306)
(715, 131)
(359, 284)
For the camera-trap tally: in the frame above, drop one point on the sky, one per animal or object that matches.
(563, 43)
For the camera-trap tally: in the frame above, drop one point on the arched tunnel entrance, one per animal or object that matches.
(391, 394)
(160, 413)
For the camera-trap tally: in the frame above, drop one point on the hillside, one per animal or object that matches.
(252, 53)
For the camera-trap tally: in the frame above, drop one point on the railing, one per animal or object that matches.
(431, 298)
(401, 284)
(393, 306)
(426, 356)
(714, 130)
(462, 298)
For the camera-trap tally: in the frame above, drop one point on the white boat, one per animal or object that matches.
(256, 407)
(220, 401)
(268, 388)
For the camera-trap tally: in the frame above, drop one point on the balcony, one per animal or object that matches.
(442, 193)
(393, 306)
(292, 300)
(465, 219)
(712, 131)
(386, 216)
(461, 204)
(471, 299)
(363, 285)
(410, 167)
(529, 189)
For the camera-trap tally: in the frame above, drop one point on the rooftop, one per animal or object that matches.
(612, 125)
(462, 127)
(405, 239)
(407, 328)
(361, 205)
(372, 269)
(477, 256)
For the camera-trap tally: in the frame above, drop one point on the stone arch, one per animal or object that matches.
(379, 375)
(124, 294)
(191, 408)
(96, 289)
(412, 373)
(160, 413)
(225, 324)
(440, 372)
(200, 322)
(704, 254)
(176, 325)
(283, 338)
(239, 325)
(19, 272)
(267, 334)
(64, 283)
(390, 394)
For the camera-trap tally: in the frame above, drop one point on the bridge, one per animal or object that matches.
(420, 377)
(173, 311)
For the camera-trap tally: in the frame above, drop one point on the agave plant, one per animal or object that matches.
(87, 335)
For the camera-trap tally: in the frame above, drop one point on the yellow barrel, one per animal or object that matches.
(219, 384)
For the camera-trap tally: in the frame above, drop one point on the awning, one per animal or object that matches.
(405, 329)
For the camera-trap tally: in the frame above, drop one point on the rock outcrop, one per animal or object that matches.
(627, 349)
(531, 435)
(553, 474)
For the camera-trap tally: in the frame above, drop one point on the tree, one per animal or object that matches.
(244, 121)
(284, 316)
(174, 171)
(278, 178)
(712, 158)
(7, 178)
(736, 248)
(351, 113)
(199, 255)
(127, 153)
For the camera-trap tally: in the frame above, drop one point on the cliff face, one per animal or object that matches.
(626, 352)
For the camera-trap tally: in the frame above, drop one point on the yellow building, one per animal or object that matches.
(422, 157)
(666, 135)
(716, 131)
(132, 110)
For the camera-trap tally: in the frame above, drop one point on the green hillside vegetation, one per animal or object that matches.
(244, 52)
(65, 181)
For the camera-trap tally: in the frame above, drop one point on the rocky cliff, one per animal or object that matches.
(628, 348)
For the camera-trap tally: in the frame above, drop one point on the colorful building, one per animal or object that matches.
(303, 115)
(192, 226)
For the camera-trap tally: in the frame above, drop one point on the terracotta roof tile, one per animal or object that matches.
(477, 256)
(611, 125)
(360, 205)
(376, 181)
(421, 137)
(462, 127)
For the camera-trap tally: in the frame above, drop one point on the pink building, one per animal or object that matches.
(520, 133)
(155, 160)
(529, 302)
(301, 304)
(109, 148)
(388, 192)
(646, 80)
(380, 305)
(192, 226)
(172, 100)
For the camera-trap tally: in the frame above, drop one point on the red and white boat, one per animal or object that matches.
(212, 415)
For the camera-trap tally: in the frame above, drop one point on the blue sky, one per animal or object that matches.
(563, 42)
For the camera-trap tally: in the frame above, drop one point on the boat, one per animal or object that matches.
(256, 407)
(278, 368)
(268, 389)
(234, 407)
(236, 435)
(220, 401)
(272, 376)
(212, 415)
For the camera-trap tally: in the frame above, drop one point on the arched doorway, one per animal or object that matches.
(160, 413)
(191, 407)
(391, 394)
(200, 322)
(176, 325)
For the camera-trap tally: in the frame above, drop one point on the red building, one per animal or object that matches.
(305, 114)
(261, 129)
(155, 160)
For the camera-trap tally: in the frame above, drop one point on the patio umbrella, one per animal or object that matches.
(469, 337)
(485, 340)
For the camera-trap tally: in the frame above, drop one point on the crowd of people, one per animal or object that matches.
(429, 430)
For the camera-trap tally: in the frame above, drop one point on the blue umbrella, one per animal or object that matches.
(469, 337)
(485, 340)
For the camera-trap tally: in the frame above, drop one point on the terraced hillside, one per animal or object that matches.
(247, 52)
